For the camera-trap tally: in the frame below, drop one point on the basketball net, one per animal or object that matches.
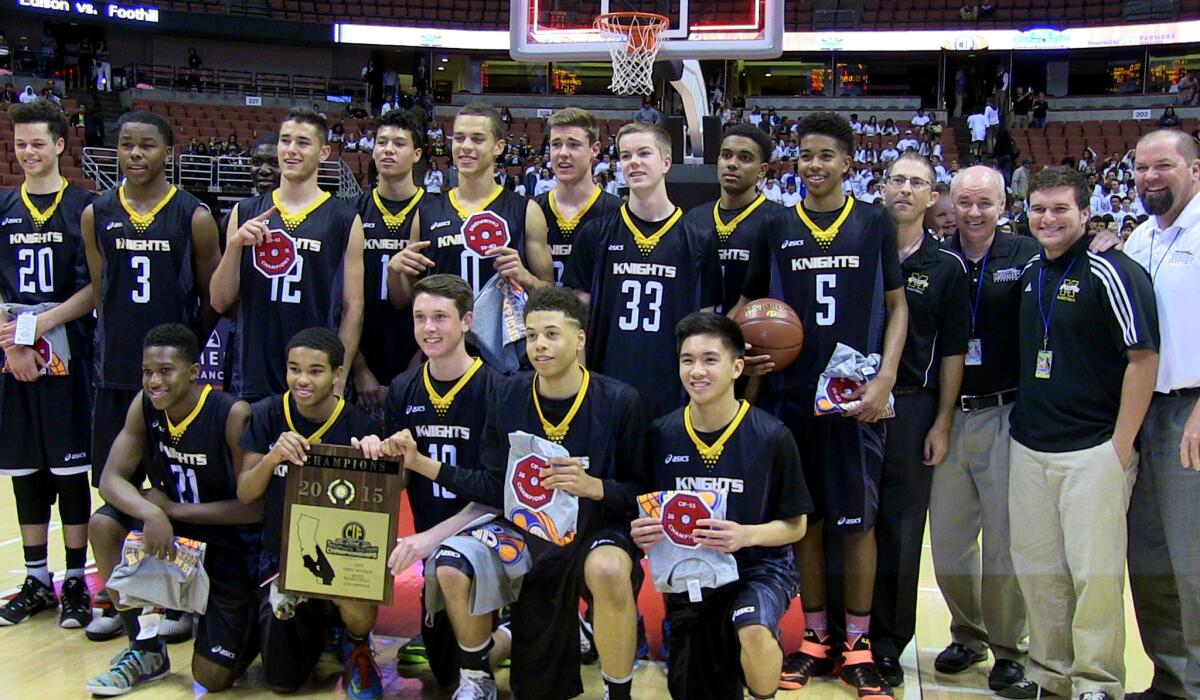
(633, 45)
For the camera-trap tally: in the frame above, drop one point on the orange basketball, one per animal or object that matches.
(771, 327)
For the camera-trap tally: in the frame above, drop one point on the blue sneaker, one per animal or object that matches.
(131, 668)
(361, 679)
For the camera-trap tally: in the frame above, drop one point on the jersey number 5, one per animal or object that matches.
(634, 291)
(827, 311)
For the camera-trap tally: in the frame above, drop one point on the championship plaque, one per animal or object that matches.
(339, 521)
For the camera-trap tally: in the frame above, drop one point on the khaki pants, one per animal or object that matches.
(969, 499)
(1069, 553)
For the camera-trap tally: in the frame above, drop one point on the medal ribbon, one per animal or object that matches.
(557, 433)
(315, 438)
(41, 217)
(724, 231)
(646, 244)
(292, 220)
(141, 222)
(825, 236)
(1048, 316)
(441, 403)
(567, 225)
(711, 453)
(395, 221)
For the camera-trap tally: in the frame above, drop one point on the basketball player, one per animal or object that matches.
(388, 213)
(278, 436)
(837, 265)
(738, 218)
(44, 407)
(480, 207)
(437, 405)
(264, 165)
(151, 251)
(187, 435)
(601, 423)
(294, 260)
(717, 441)
(643, 269)
(576, 198)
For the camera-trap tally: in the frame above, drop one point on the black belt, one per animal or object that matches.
(1180, 393)
(978, 403)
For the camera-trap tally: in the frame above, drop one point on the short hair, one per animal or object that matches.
(576, 117)
(1185, 145)
(268, 139)
(661, 138)
(173, 335)
(755, 134)
(447, 286)
(829, 124)
(1057, 176)
(304, 115)
(402, 119)
(41, 111)
(915, 158)
(322, 340)
(483, 109)
(706, 323)
(161, 125)
(559, 299)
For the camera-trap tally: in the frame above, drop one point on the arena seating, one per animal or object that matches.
(1069, 139)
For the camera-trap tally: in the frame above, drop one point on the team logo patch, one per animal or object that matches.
(838, 393)
(918, 282)
(276, 258)
(506, 545)
(542, 525)
(527, 482)
(1068, 290)
(483, 231)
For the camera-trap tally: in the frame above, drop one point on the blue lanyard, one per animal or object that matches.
(979, 290)
(1048, 316)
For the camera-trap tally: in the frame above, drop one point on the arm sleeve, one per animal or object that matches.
(893, 278)
(578, 274)
(1128, 300)
(483, 484)
(758, 272)
(712, 286)
(631, 479)
(791, 497)
(956, 317)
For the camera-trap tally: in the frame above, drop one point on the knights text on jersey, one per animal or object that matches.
(147, 280)
(448, 428)
(561, 232)
(458, 237)
(736, 230)
(387, 342)
(288, 285)
(639, 290)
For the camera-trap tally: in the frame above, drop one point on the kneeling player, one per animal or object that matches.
(600, 422)
(280, 431)
(721, 443)
(187, 435)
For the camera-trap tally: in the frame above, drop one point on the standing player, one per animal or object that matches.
(717, 441)
(438, 405)
(44, 409)
(187, 435)
(601, 424)
(294, 260)
(278, 436)
(388, 214)
(151, 252)
(481, 208)
(742, 213)
(837, 265)
(576, 198)
(643, 269)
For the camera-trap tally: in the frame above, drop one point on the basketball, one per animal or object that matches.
(772, 328)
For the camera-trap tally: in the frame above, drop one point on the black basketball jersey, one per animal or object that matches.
(286, 286)
(448, 431)
(834, 280)
(41, 252)
(387, 342)
(267, 423)
(735, 231)
(560, 232)
(191, 463)
(147, 279)
(639, 290)
(758, 465)
(446, 225)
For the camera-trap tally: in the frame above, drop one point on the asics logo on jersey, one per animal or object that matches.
(34, 238)
(444, 432)
(222, 651)
(11, 220)
(368, 224)
(645, 269)
(849, 521)
(677, 459)
(1011, 274)
(616, 246)
(826, 262)
(409, 410)
(791, 244)
(114, 224)
(708, 483)
(438, 224)
(743, 611)
(72, 456)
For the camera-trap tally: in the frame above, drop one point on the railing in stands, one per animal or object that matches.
(239, 82)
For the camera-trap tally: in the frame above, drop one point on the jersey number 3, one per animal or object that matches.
(635, 292)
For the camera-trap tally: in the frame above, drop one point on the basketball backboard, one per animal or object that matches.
(562, 30)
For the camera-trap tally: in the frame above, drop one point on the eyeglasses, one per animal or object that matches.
(898, 182)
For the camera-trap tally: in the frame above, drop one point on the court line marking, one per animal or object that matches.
(14, 540)
(955, 689)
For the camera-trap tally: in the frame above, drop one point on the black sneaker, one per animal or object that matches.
(860, 672)
(957, 658)
(1025, 690)
(33, 598)
(413, 652)
(1152, 694)
(889, 667)
(76, 604)
(1004, 673)
(815, 658)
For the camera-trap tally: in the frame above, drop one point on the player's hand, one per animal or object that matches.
(872, 400)
(160, 499)
(159, 536)
(1106, 240)
(371, 446)
(1189, 446)
(8, 334)
(722, 535)
(409, 261)
(401, 444)
(25, 363)
(255, 231)
(507, 262)
(757, 365)
(646, 532)
(410, 550)
(937, 444)
(291, 448)
(567, 474)
(366, 387)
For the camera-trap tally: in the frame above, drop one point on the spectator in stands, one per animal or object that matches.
(434, 180)
(856, 124)
(1101, 204)
(438, 149)
(755, 117)
(545, 182)
(871, 128)
(1188, 88)
(506, 116)
(49, 96)
(987, 10)
(772, 118)
(978, 124)
(102, 67)
(866, 153)
(393, 102)
(369, 76)
(434, 132)
(1169, 118)
(1020, 180)
(337, 134)
(889, 152)
(357, 111)
(771, 191)
(1040, 109)
(909, 141)
(193, 60)
(5, 53)
(513, 183)
(47, 56)
(968, 12)
(28, 95)
(366, 142)
(10, 94)
(390, 81)
(196, 148)
(791, 196)
(1005, 152)
(24, 57)
(1087, 161)
(890, 128)
(648, 114)
(939, 170)
(1019, 218)
(1022, 103)
(726, 114)
(993, 122)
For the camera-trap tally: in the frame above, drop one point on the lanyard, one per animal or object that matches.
(1155, 268)
(974, 304)
(1047, 316)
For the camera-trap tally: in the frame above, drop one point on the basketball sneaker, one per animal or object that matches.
(33, 598)
(130, 668)
(361, 678)
(105, 626)
(860, 672)
(815, 658)
(413, 652)
(475, 685)
(76, 604)
(176, 627)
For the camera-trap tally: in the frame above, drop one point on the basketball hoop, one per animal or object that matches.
(633, 46)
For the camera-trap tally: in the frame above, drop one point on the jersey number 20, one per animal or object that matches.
(635, 292)
(37, 270)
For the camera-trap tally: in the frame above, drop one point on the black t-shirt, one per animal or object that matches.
(939, 319)
(1040, 107)
(733, 247)
(1100, 306)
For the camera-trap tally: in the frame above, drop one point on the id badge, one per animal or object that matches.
(974, 352)
(1045, 360)
(26, 332)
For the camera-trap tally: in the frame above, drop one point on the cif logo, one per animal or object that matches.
(965, 42)
(340, 492)
(354, 531)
